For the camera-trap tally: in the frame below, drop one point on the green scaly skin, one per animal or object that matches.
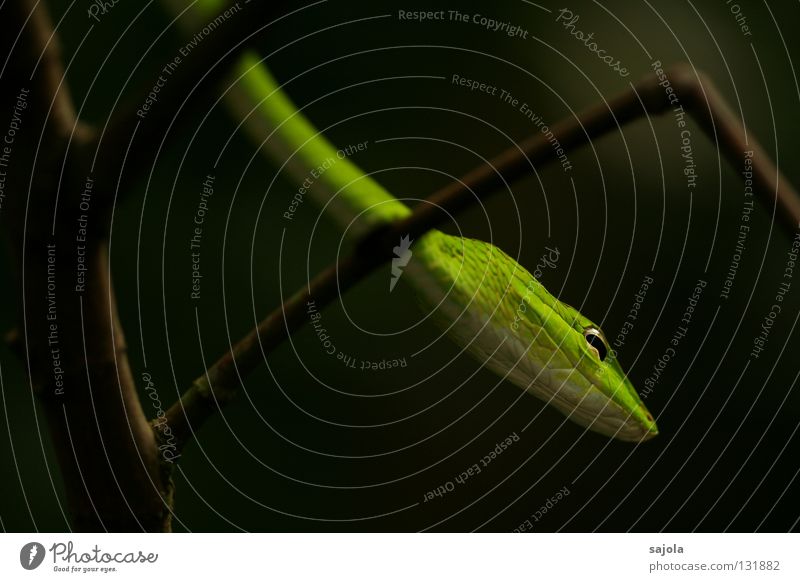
(489, 304)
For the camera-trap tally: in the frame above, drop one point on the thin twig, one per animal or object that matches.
(700, 99)
(220, 382)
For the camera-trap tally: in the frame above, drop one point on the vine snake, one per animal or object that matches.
(493, 307)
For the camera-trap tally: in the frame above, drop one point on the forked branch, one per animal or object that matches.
(70, 340)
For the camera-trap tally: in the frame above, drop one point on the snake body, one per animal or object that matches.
(490, 305)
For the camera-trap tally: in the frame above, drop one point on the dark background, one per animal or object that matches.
(312, 446)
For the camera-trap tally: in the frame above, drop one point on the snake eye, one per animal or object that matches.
(595, 340)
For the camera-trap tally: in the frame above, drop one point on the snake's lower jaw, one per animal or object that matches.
(636, 433)
(620, 428)
(597, 412)
(637, 426)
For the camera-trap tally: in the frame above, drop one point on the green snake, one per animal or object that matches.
(493, 307)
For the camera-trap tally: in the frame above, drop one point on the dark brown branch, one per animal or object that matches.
(710, 110)
(71, 343)
(221, 381)
(699, 98)
(23, 51)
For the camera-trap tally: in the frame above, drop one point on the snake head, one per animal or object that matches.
(505, 318)
(589, 384)
(571, 366)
